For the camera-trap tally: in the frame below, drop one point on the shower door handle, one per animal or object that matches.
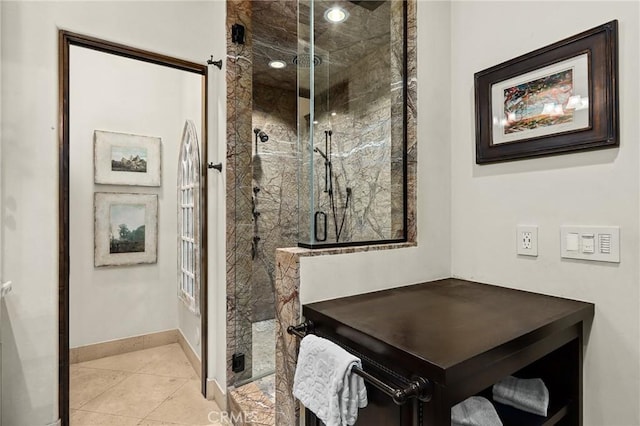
(218, 166)
(322, 215)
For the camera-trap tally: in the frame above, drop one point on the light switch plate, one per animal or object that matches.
(596, 243)
(527, 240)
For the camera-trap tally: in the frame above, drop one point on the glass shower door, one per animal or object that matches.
(352, 142)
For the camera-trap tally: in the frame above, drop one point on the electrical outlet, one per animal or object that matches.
(527, 240)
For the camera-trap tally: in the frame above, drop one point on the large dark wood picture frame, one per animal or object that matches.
(66, 39)
(557, 99)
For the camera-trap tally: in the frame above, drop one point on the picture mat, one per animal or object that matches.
(105, 143)
(102, 229)
(579, 66)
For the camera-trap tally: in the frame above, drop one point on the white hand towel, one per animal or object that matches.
(474, 411)
(323, 382)
(530, 395)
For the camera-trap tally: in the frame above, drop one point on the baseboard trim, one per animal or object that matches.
(122, 346)
(215, 393)
(191, 354)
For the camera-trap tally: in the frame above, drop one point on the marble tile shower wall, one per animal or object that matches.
(399, 227)
(361, 155)
(275, 190)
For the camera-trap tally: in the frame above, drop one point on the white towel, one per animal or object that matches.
(474, 411)
(530, 395)
(323, 382)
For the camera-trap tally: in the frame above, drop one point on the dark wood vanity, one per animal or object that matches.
(462, 337)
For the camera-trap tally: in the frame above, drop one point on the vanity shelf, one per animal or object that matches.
(462, 336)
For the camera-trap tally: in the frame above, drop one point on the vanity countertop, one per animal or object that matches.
(450, 328)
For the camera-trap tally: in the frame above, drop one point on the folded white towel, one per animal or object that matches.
(323, 382)
(474, 411)
(530, 395)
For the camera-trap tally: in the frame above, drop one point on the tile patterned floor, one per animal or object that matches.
(151, 387)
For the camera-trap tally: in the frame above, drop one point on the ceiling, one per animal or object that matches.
(339, 46)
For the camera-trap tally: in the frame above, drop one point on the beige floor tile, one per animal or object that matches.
(156, 423)
(86, 418)
(170, 363)
(187, 406)
(88, 383)
(132, 361)
(136, 396)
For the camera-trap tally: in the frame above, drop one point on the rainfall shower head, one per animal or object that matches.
(304, 60)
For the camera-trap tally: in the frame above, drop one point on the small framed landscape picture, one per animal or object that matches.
(126, 229)
(124, 159)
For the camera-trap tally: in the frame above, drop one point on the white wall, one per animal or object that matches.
(112, 93)
(326, 277)
(2, 309)
(217, 204)
(589, 188)
(30, 170)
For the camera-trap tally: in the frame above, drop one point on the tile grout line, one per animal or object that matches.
(104, 391)
(107, 414)
(165, 400)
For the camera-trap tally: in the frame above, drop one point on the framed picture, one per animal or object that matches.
(124, 159)
(557, 99)
(126, 229)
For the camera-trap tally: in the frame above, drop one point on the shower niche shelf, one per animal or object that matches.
(463, 337)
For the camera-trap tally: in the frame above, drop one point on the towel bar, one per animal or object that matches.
(420, 387)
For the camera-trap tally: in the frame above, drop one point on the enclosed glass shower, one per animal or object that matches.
(351, 141)
(317, 148)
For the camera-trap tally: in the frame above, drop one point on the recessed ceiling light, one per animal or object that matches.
(336, 14)
(277, 64)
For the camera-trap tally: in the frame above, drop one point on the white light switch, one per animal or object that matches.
(598, 243)
(573, 241)
(588, 243)
(605, 243)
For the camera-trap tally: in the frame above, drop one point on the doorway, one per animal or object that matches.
(123, 254)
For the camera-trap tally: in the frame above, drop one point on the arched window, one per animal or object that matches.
(189, 219)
